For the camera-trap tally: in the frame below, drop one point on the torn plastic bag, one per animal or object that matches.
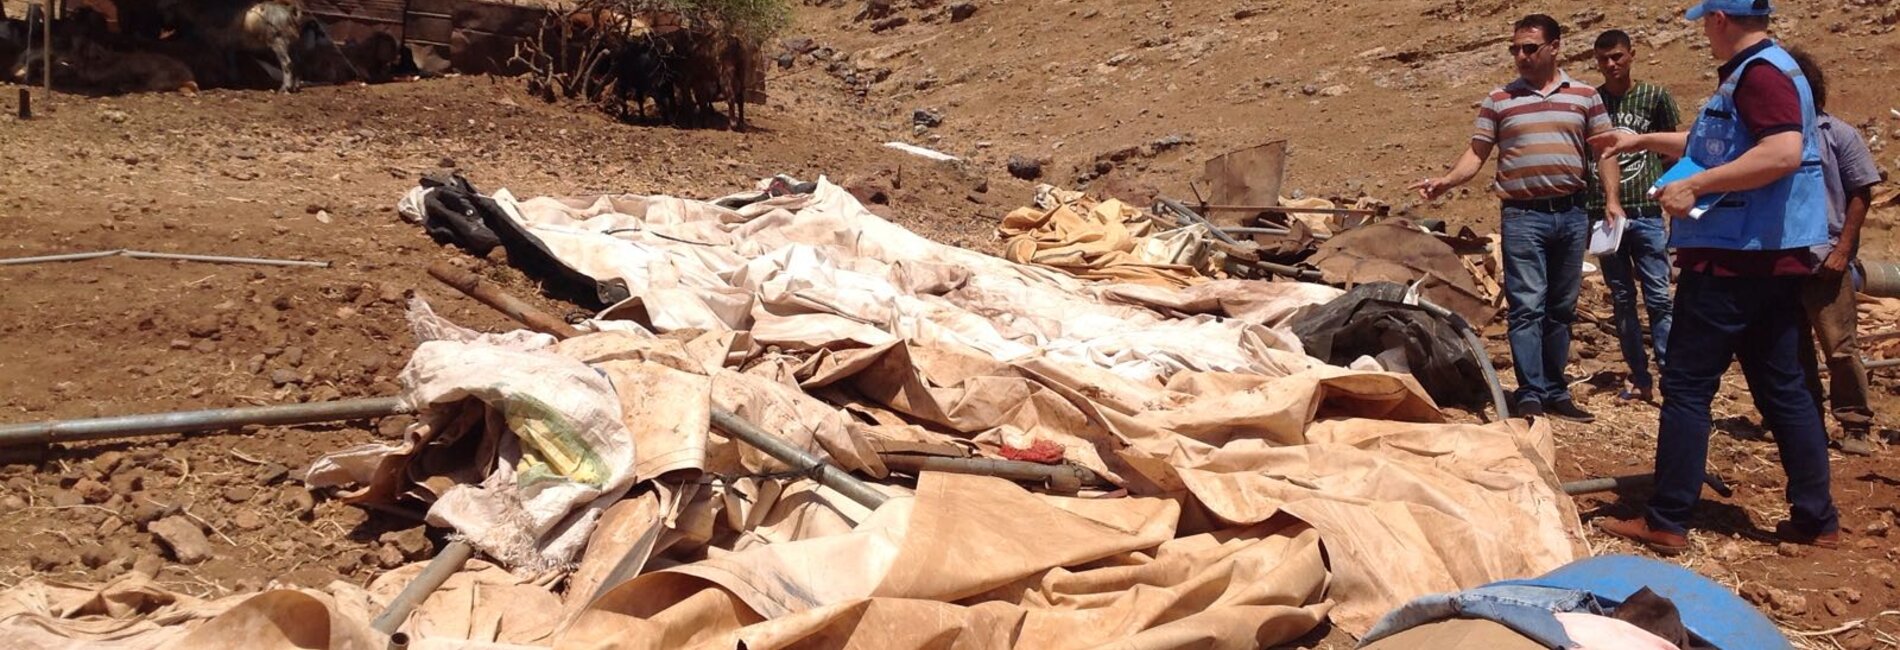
(1373, 320)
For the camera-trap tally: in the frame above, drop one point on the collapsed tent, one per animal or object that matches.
(1259, 491)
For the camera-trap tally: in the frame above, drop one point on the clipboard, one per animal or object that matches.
(1683, 169)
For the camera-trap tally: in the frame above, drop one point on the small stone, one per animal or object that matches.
(1335, 90)
(181, 344)
(12, 503)
(1878, 527)
(148, 564)
(299, 501)
(926, 117)
(204, 347)
(65, 498)
(271, 474)
(183, 538)
(239, 493)
(1848, 594)
(1834, 605)
(115, 117)
(799, 44)
(961, 11)
(247, 520)
(49, 559)
(325, 393)
(293, 355)
(111, 527)
(255, 364)
(1790, 550)
(412, 542)
(284, 377)
(108, 460)
(1120, 59)
(890, 23)
(94, 556)
(394, 427)
(390, 293)
(1309, 90)
(92, 491)
(205, 326)
(323, 216)
(1024, 167)
(388, 557)
(145, 510)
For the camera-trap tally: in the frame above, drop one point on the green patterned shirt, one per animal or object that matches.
(1646, 109)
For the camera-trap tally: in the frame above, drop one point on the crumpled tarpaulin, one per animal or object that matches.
(1261, 491)
(1103, 240)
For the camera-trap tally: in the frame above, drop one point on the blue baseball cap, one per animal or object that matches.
(1730, 7)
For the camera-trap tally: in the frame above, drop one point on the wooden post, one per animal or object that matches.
(46, 11)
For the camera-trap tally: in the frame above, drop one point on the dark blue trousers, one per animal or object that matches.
(1715, 321)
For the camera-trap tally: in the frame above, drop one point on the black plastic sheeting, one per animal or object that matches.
(455, 213)
(1373, 318)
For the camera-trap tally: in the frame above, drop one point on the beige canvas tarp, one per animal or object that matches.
(1259, 491)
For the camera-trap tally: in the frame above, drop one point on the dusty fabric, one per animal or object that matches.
(1258, 491)
(1399, 252)
(1105, 240)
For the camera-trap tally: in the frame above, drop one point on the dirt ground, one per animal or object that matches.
(316, 176)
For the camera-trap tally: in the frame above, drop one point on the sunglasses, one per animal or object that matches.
(1526, 49)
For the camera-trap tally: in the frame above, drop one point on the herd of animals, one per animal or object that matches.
(111, 47)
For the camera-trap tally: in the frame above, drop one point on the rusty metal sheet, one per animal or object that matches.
(1249, 176)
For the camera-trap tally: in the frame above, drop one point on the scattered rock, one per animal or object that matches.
(1848, 594)
(12, 503)
(145, 510)
(961, 11)
(92, 491)
(799, 44)
(1775, 599)
(325, 393)
(1247, 12)
(65, 498)
(111, 527)
(1120, 58)
(1024, 167)
(115, 117)
(284, 377)
(148, 564)
(1878, 527)
(50, 558)
(388, 557)
(107, 461)
(890, 23)
(1335, 90)
(247, 520)
(413, 542)
(205, 326)
(95, 556)
(1790, 550)
(390, 293)
(1834, 605)
(293, 355)
(1309, 90)
(181, 344)
(926, 117)
(395, 426)
(239, 493)
(299, 501)
(183, 538)
(271, 474)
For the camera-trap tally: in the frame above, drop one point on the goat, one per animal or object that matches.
(235, 26)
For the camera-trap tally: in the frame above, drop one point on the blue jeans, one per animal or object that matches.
(1543, 270)
(1641, 260)
(1758, 319)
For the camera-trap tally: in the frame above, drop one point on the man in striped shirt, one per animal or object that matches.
(1540, 125)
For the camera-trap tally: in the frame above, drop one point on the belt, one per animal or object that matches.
(1556, 204)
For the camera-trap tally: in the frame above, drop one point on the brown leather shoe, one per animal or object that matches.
(1637, 530)
(1786, 531)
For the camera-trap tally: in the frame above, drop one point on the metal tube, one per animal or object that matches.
(1877, 364)
(824, 473)
(1610, 484)
(472, 286)
(1281, 209)
(1185, 213)
(65, 257)
(220, 259)
(445, 564)
(1061, 478)
(1880, 279)
(125, 426)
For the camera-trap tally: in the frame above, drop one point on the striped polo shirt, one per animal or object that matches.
(1541, 139)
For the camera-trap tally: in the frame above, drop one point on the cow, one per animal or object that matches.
(238, 26)
(641, 71)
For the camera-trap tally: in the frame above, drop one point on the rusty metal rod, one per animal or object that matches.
(1287, 210)
(152, 424)
(1610, 484)
(445, 564)
(1878, 364)
(472, 286)
(1060, 478)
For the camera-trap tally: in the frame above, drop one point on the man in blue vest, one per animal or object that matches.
(1744, 262)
